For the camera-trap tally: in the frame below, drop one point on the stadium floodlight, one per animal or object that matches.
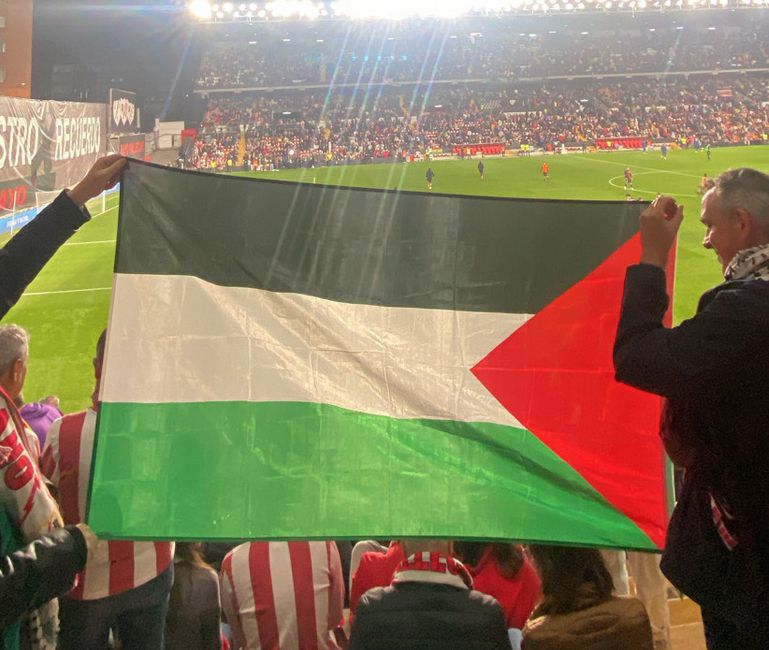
(200, 9)
(228, 7)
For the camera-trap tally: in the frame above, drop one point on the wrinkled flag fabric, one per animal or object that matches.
(299, 361)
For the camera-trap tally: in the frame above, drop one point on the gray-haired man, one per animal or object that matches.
(712, 369)
(27, 509)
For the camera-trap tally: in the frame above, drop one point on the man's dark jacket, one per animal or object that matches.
(28, 251)
(43, 570)
(714, 370)
(46, 568)
(423, 616)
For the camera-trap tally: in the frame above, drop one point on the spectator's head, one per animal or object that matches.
(508, 557)
(14, 353)
(190, 552)
(735, 213)
(572, 578)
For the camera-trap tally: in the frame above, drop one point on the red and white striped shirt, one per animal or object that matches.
(23, 494)
(114, 567)
(283, 595)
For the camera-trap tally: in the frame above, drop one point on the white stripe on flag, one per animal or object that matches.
(181, 339)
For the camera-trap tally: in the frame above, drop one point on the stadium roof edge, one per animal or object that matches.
(487, 82)
(532, 8)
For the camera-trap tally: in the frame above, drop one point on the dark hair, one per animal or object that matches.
(190, 552)
(564, 570)
(508, 556)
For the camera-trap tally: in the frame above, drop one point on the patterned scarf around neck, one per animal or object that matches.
(750, 263)
(434, 568)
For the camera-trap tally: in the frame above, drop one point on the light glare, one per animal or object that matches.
(404, 9)
(200, 9)
(399, 9)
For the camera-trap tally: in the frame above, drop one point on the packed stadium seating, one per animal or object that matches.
(488, 50)
(338, 91)
(299, 128)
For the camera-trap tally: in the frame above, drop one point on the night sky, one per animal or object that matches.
(131, 44)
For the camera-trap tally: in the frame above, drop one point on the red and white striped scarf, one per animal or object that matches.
(434, 568)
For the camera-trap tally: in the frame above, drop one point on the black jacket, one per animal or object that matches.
(715, 368)
(28, 251)
(43, 570)
(420, 616)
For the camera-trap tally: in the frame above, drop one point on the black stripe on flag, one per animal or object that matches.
(379, 247)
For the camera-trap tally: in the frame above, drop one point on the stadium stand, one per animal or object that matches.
(489, 50)
(288, 95)
(303, 128)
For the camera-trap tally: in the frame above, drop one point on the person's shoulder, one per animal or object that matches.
(483, 602)
(750, 293)
(374, 597)
(238, 550)
(60, 425)
(206, 575)
(618, 618)
(372, 560)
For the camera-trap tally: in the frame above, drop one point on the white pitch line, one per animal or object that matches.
(633, 189)
(651, 169)
(85, 243)
(49, 293)
(101, 214)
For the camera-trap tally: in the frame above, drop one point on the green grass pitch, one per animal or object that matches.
(66, 307)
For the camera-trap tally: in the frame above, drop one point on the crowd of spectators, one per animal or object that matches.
(272, 58)
(424, 593)
(305, 128)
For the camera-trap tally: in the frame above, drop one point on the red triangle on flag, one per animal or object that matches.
(556, 376)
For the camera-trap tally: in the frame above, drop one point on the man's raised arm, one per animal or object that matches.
(27, 252)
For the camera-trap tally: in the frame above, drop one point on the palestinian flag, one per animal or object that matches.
(289, 360)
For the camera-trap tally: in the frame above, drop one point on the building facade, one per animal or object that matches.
(16, 48)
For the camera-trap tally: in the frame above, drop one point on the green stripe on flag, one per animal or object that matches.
(264, 470)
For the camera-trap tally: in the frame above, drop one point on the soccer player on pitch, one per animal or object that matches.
(545, 169)
(481, 169)
(429, 175)
(628, 178)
